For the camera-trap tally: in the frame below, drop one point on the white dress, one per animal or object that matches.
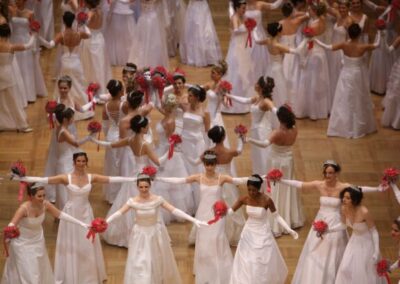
(287, 200)
(22, 96)
(120, 20)
(291, 69)
(352, 114)
(258, 259)
(320, 258)
(149, 47)
(357, 265)
(150, 257)
(391, 114)
(239, 58)
(95, 63)
(28, 261)
(71, 66)
(77, 259)
(12, 114)
(212, 255)
(175, 30)
(313, 92)
(214, 105)
(275, 71)
(112, 155)
(200, 45)
(45, 16)
(259, 53)
(380, 66)
(260, 130)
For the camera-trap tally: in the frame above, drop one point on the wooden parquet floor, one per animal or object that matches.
(362, 161)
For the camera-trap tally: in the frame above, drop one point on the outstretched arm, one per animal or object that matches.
(180, 214)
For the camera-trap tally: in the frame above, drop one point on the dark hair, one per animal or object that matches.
(80, 154)
(266, 86)
(336, 167)
(68, 19)
(287, 9)
(216, 134)
(65, 79)
(354, 31)
(286, 116)
(5, 30)
(4, 9)
(221, 67)
(296, 2)
(135, 98)
(179, 77)
(129, 65)
(319, 8)
(397, 222)
(209, 157)
(92, 3)
(143, 178)
(198, 92)
(114, 87)
(255, 180)
(274, 28)
(62, 112)
(33, 188)
(238, 3)
(355, 192)
(138, 122)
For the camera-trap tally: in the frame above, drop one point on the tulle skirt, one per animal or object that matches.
(12, 114)
(391, 114)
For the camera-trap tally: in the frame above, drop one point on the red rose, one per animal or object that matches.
(34, 26)
(82, 18)
(250, 24)
(94, 127)
(382, 269)
(51, 106)
(170, 79)
(225, 86)
(320, 227)
(380, 24)
(159, 83)
(390, 175)
(99, 225)
(240, 129)
(150, 171)
(173, 140)
(9, 232)
(220, 209)
(93, 88)
(274, 175)
(159, 70)
(308, 32)
(18, 169)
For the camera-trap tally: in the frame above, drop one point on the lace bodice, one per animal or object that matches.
(259, 118)
(192, 125)
(146, 212)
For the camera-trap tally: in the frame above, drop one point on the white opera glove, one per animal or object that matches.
(283, 223)
(390, 48)
(370, 4)
(394, 266)
(173, 180)
(377, 39)
(87, 30)
(121, 179)
(46, 44)
(99, 142)
(230, 212)
(375, 240)
(231, 10)
(293, 183)
(259, 143)
(239, 147)
(104, 97)
(274, 110)
(180, 214)
(44, 180)
(84, 140)
(238, 99)
(239, 180)
(299, 48)
(30, 43)
(114, 217)
(324, 45)
(379, 188)
(276, 4)
(396, 191)
(66, 217)
(337, 228)
(87, 106)
(163, 158)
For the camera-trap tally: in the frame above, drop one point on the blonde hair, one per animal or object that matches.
(221, 67)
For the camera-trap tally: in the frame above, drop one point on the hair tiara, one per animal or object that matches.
(330, 163)
(255, 179)
(209, 156)
(129, 69)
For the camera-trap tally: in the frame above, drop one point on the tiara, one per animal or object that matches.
(129, 69)
(37, 185)
(142, 176)
(210, 156)
(141, 120)
(197, 87)
(65, 78)
(255, 179)
(330, 163)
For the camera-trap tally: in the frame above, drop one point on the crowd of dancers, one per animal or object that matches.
(314, 63)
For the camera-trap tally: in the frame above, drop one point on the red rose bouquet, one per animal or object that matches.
(9, 232)
(395, 5)
(91, 91)
(159, 83)
(273, 175)
(380, 24)
(173, 140)
(82, 18)
(19, 170)
(159, 70)
(240, 129)
(382, 268)
(320, 227)
(220, 209)
(390, 175)
(250, 24)
(150, 171)
(94, 127)
(34, 26)
(144, 86)
(99, 225)
(309, 33)
(225, 87)
(50, 109)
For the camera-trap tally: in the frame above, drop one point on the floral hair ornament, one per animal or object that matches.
(50, 110)
(19, 170)
(250, 25)
(173, 140)
(220, 209)
(273, 175)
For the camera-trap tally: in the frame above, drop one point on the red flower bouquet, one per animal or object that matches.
(82, 18)
(159, 84)
(220, 209)
(9, 232)
(144, 86)
(225, 87)
(94, 127)
(173, 140)
(395, 5)
(159, 70)
(320, 227)
(91, 91)
(382, 268)
(390, 175)
(380, 24)
(309, 33)
(170, 79)
(99, 225)
(34, 26)
(19, 170)
(240, 130)
(50, 109)
(273, 175)
(150, 171)
(250, 24)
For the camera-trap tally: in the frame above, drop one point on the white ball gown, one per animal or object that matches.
(275, 71)
(212, 256)
(391, 114)
(200, 45)
(380, 66)
(314, 89)
(12, 114)
(22, 95)
(175, 30)
(120, 19)
(150, 257)
(180, 195)
(112, 155)
(287, 200)
(290, 66)
(28, 261)
(45, 16)
(77, 259)
(149, 47)
(95, 62)
(352, 114)
(357, 265)
(214, 105)
(258, 259)
(320, 258)
(240, 72)
(260, 130)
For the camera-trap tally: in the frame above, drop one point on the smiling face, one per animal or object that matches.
(330, 174)
(192, 99)
(40, 195)
(143, 187)
(80, 162)
(215, 75)
(355, 5)
(241, 10)
(343, 9)
(63, 89)
(178, 85)
(395, 232)
(253, 191)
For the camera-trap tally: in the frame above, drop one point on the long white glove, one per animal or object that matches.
(276, 4)
(47, 44)
(293, 183)
(396, 191)
(180, 214)
(84, 140)
(299, 48)
(231, 9)
(337, 228)
(370, 4)
(44, 180)
(122, 179)
(259, 143)
(282, 222)
(238, 99)
(173, 180)
(88, 106)
(378, 39)
(114, 217)
(87, 30)
(30, 43)
(239, 147)
(163, 158)
(375, 240)
(324, 45)
(390, 48)
(239, 180)
(394, 266)
(101, 143)
(66, 217)
(378, 188)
